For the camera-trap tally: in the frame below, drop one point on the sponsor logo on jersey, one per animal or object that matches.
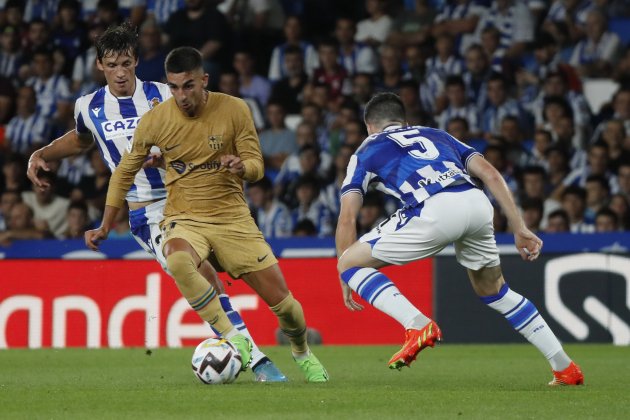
(181, 167)
(119, 128)
(153, 102)
(95, 111)
(215, 141)
(439, 177)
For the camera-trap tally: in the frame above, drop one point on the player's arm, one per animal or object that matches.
(120, 183)
(528, 244)
(345, 236)
(70, 144)
(247, 163)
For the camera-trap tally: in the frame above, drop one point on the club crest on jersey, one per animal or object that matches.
(215, 141)
(153, 102)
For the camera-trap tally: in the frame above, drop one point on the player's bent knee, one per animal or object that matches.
(181, 265)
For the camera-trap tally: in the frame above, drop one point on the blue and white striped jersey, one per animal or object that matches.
(410, 163)
(112, 122)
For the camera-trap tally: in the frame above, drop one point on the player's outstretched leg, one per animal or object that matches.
(379, 291)
(264, 369)
(291, 319)
(525, 318)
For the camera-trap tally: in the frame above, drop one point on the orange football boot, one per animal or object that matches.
(415, 341)
(572, 375)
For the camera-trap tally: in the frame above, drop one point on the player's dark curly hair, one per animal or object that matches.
(384, 107)
(116, 40)
(183, 60)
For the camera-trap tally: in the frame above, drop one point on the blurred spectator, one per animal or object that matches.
(459, 18)
(621, 206)
(288, 90)
(355, 132)
(37, 38)
(13, 173)
(49, 209)
(310, 206)
(613, 136)
(355, 57)
(8, 199)
(120, 228)
(330, 72)
(500, 105)
(542, 142)
(304, 228)
(314, 115)
(272, 217)
(458, 128)
(252, 85)
(160, 10)
(596, 164)
(558, 222)
(532, 209)
(307, 162)
(202, 26)
(53, 90)
(572, 13)
(229, 84)
(277, 141)
(29, 129)
(620, 109)
(597, 196)
(331, 193)
(412, 27)
(10, 53)
(107, 13)
(414, 63)
(40, 9)
(623, 177)
(556, 85)
(94, 188)
(476, 76)
(21, 225)
(513, 20)
(77, 220)
(362, 89)
(374, 30)
(389, 78)
(534, 187)
(13, 15)
(606, 221)
(512, 139)
(71, 172)
(151, 54)
(409, 93)
(83, 70)
(7, 94)
(458, 106)
(293, 38)
(557, 164)
(574, 203)
(597, 53)
(495, 155)
(371, 213)
(491, 43)
(70, 36)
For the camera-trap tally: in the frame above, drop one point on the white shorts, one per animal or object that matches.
(145, 227)
(460, 217)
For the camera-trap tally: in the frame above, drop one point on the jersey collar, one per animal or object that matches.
(392, 127)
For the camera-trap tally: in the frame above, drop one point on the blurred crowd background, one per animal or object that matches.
(540, 87)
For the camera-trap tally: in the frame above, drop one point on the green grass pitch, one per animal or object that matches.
(451, 381)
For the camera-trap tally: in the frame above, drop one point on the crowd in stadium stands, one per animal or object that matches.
(505, 76)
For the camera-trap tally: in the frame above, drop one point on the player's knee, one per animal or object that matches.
(343, 264)
(181, 265)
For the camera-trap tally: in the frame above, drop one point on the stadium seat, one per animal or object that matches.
(599, 92)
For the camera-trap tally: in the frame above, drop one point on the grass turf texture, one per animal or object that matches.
(452, 381)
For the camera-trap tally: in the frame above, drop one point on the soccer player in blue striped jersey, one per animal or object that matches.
(108, 117)
(430, 172)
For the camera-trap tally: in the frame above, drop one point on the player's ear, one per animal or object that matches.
(206, 77)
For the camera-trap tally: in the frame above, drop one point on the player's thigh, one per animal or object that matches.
(240, 247)
(186, 237)
(269, 283)
(477, 247)
(145, 228)
(359, 254)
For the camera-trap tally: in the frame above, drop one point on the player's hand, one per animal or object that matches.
(94, 237)
(347, 297)
(35, 163)
(233, 164)
(528, 244)
(154, 160)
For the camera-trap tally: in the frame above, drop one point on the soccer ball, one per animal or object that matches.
(216, 361)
